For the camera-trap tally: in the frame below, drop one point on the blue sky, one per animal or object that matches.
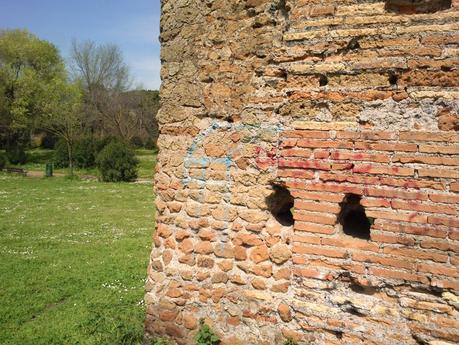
(133, 25)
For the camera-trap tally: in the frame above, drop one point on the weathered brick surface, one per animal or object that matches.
(324, 98)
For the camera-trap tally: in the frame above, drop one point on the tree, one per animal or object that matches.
(148, 106)
(110, 107)
(28, 68)
(132, 113)
(106, 80)
(104, 76)
(100, 67)
(35, 92)
(63, 114)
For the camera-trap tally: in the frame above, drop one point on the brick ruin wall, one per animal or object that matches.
(342, 113)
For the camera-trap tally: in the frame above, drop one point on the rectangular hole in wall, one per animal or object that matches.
(417, 6)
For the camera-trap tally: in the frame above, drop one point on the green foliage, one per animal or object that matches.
(84, 152)
(150, 144)
(136, 142)
(290, 341)
(161, 341)
(28, 66)
(206, 336)
(34, 90)
(117, 162)
(61, 157)
(2, 160)
(16, 144)
(38, 158)
(101, 143)
(49, 141)
(16, 154)
(61, 112)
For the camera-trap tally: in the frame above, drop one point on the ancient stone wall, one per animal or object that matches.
(307, 182)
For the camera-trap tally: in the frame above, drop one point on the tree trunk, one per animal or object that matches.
(70, 152)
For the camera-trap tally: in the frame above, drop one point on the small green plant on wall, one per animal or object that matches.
(290, 341)
(161, 341)
(206, 336)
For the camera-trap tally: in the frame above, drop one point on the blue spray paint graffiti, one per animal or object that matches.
(202, 163)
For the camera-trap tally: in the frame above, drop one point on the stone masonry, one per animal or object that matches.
(307, 182)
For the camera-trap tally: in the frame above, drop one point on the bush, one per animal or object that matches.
(206, 336)
(136, 142)
(61, 155)
(101, 143)
(16, 154)
(2, 161)
(84, 152)
(290, 341)
(117, 162)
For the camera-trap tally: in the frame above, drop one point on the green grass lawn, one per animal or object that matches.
(73, 260)
(37, 159)
(147, 161)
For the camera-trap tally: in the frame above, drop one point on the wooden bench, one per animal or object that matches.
(19, 171)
